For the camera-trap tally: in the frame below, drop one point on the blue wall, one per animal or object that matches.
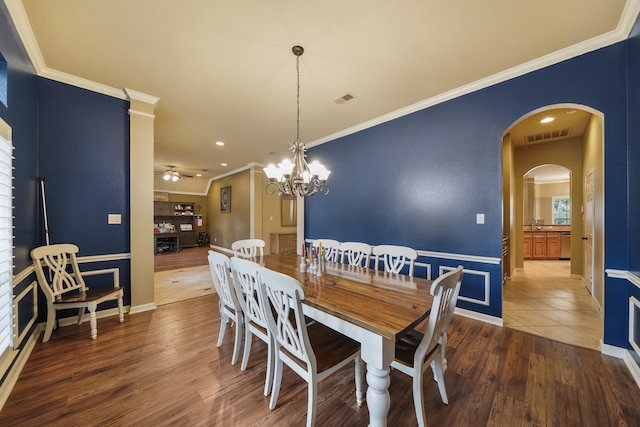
(634, 159)
(79, 141)
(419, 180)
(84, 158)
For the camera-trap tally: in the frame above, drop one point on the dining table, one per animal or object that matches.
(370, 306)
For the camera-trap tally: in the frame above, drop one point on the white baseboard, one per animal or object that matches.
(14, 372)
(612, 350)
(479, 316)
(141, 308)
(625, 355)
(634, 368)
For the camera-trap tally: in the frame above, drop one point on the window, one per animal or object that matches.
(561, 206)
(6, 242)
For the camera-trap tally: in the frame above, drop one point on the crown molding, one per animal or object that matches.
(139, 96)
(76, 81)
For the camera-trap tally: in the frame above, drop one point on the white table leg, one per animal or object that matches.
(376, 351)
(378, 395)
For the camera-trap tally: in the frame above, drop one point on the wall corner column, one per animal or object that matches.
(141, 150)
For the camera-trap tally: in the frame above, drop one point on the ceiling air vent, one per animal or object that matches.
(547, 136)
(343, 99)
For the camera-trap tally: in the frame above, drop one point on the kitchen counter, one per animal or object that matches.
(561, 228)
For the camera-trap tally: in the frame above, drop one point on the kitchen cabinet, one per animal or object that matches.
(527, 245)
(541, 245)
(553, 245)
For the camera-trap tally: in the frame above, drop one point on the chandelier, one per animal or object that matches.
(296, 177)
(171, 174)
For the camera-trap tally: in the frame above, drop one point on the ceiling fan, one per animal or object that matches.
(174, 175)
(171, 175)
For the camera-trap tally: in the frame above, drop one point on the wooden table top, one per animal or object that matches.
(385, 304)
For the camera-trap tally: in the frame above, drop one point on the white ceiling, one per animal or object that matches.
(223, 70)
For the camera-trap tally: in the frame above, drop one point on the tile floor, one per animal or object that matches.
(544, 300)
(184, 283)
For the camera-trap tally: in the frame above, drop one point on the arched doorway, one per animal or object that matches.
(551, 301)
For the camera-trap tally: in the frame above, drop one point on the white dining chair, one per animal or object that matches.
(312, 351)
(248, 248)
(228, 304)
(415, 351)
(255, 323)
(331, 248)
(355, 253)
(395, 258)
(63, 285)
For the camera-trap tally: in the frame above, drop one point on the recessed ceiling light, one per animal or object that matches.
(223, 164)
(219, 143)
(547, 120)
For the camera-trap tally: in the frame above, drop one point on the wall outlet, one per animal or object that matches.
(114, 219)
(480, 218)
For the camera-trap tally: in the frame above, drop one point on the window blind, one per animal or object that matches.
(6, 246)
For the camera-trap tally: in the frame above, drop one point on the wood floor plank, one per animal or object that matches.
(505, 411)
(163, 368)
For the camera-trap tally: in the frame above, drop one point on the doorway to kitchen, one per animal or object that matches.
(545, 156)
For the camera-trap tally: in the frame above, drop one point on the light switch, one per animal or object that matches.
(480, 218)
(114, 219)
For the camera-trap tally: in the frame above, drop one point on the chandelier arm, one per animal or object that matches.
(272, 188)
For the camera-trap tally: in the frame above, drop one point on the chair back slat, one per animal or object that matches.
(395, 258)
(445, 290)
(355, 253)
(245, 274)
(220, 267)
(248, 248)
(283, 309)
(331, 248)
(57, 266)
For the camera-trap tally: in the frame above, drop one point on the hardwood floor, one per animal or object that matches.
(187, 257)
(163, 368)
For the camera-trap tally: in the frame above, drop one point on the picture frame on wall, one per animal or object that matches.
(225, 199)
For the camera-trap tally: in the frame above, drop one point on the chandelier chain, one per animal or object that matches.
(298, 99)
